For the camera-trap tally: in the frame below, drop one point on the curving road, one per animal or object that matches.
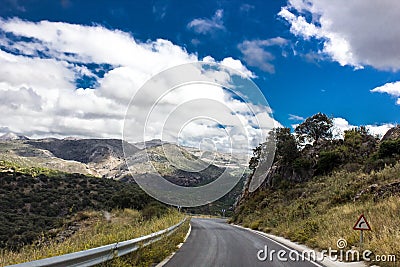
(213, 242)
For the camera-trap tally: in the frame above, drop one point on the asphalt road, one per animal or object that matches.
(213, 242)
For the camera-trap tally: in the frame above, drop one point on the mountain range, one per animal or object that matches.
(105, 158)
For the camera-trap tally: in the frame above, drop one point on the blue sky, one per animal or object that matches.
(307, 56)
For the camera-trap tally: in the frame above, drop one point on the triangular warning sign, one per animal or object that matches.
(362, 224)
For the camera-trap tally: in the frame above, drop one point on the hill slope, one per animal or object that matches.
(314, 195)
(36, 200)
(105, 158)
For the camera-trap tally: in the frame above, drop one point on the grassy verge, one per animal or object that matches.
(319, 212)
(96, 230)
(154, 253)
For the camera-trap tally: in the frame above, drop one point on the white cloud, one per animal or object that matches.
(181, 112)
(39, 94)
(357, 33)
(23, 98)
(392, 89)
(246, 8)
(206, 25)
(380, 130)
(233, 64)
(160, 10)
(296, 117)
(84, 44)
(255, 53)
(341, 125)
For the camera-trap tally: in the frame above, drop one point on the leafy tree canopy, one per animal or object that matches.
(286, 145)
(314, 128)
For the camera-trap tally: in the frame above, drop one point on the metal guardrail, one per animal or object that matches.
(101, 254)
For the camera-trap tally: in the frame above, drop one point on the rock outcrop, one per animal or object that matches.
(392, 134)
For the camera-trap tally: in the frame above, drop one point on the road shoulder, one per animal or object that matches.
(301, 248)
(167, 259)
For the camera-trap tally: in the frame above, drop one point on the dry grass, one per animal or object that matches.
(123, 225)
(154, 253)
(319, 212)
(337, 223)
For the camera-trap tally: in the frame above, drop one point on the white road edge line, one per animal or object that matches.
(167, 259)
(327, 262)
(290, 249)
(276, 242)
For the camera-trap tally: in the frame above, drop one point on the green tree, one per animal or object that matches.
(359, 143)
(253, 163)
(314, 128)
(264, 152)
(389, 148)
(286, 146)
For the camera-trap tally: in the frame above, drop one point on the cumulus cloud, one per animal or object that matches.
(255, 52)
(208, 25)
(340, 125)
(392, 89)
(357, 33)
(232, 63)
(40, 94)
(23, 98)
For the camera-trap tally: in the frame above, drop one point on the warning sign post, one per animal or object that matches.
(362, 225)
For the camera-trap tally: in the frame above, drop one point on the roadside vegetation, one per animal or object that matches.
(319, 185)
(154, 253)
(102, 228)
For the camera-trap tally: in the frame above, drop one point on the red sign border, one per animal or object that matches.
(355, 227)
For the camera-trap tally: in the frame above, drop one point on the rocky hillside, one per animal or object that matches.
(105, 158)
(315, 190)
(12, 136)
(44, 181)
(358, 150)
(24, 154)
(392, 134)
(83, 150)
(101, 157)
(172, 169)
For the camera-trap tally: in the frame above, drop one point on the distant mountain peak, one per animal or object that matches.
(12, 136)
(150, 143)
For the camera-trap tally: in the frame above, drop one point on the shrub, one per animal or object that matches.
(255, 225)
(327, 161)
(389, 148)
(154, 209)
(300, 164)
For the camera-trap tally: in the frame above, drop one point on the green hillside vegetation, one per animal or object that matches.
(320, 185)
(37, 202)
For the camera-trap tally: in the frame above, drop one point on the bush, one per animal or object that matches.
(300, 164)
(389, 148)
(327, 161)
(376, 164)
(154, 209)
(255, 225)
